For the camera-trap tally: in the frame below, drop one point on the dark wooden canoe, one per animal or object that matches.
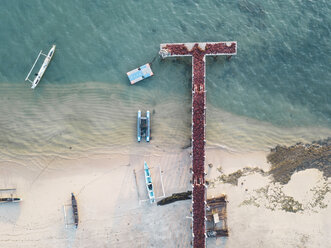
(9, 199)
(74, 209)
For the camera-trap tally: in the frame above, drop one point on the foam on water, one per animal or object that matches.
(275, 90)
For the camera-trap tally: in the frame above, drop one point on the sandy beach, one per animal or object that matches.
(113, 210)
(111, 201)
(257, 215)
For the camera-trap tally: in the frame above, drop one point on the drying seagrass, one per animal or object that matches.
(176, 197)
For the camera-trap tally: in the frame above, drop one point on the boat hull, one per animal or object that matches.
(148, 131)
(74, 209)
(138, 126)
(143, 126)
(9, 199)
(43, 67)
(149, 184)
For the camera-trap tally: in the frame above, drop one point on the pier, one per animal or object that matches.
(198, 51)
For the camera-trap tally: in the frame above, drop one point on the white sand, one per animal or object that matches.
(109, 209)
(111, 214)
(256, 224)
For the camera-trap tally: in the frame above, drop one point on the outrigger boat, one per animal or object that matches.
(74, 209)
(143, 126)
(149, 184)
(39, 75)
(10, 199)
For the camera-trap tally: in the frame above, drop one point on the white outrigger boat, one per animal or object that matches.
(39, 75)
(11, 198)
(149, 185)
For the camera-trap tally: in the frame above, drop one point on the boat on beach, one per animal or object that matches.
(10, 199)
(39, 75)
(74, 209)
(149, 184)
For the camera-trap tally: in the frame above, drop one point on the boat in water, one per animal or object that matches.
(39, 75)
(143, 126)
(140, 73)
(74, 209)
(149, 184)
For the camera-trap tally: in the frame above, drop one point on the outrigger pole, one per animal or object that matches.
(27, 77)
(74, 211)
(8, 189)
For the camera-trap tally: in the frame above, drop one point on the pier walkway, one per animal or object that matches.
(198, 51)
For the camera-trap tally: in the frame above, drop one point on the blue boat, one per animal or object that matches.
(143, 126)
(138, 126)
(149, 184)
(140, 73)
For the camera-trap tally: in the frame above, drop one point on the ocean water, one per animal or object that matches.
(276, 90)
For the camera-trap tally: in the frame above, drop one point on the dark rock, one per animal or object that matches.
(287, 160)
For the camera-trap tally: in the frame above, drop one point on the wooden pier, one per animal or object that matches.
(198, 51)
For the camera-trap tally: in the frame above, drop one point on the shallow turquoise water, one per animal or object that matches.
(280, 75)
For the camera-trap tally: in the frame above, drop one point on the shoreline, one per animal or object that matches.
(85, 122)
